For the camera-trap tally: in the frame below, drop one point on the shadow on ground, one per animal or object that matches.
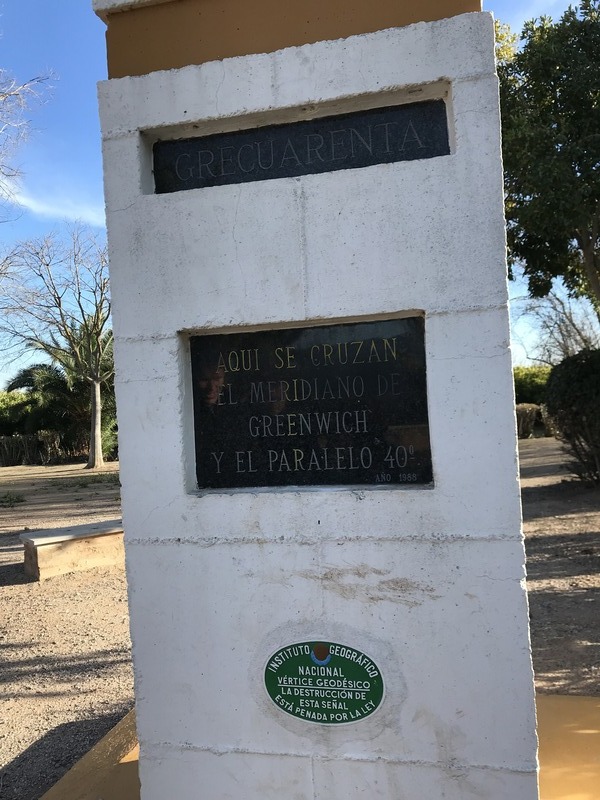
(56, 670)
(12, 572)
(58, 750)
(13, 575)
(563, 555)
(557, 499)
(566, 654)
(564, 623)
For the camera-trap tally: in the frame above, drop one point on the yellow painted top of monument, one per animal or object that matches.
(147, 35)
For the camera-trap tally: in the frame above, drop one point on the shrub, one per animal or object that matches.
(528, 414)
(548, 422)
(530, 384)
(12, 411)
(573, 402)
(19, 449)
(110, 449)
(10, 499)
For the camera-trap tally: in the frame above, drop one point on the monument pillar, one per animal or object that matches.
(317, 437)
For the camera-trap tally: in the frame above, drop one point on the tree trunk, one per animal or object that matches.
(590, 261)
(96, 459)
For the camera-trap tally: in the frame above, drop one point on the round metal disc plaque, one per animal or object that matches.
(324, 682)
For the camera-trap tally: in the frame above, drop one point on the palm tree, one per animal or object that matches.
(87, 359)
(52, 403)
(58, 400)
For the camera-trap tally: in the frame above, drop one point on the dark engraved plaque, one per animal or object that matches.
(321, 406)
(348, 141)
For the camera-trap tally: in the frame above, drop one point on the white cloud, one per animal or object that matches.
(70, 209)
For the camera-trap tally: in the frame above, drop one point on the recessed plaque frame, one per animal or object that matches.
(385, 135)
(332, 405)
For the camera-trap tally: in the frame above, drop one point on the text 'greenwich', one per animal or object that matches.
(348, 141)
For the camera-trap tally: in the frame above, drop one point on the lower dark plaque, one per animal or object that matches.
(318, 406)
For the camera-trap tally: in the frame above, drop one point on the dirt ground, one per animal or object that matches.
(65, 663)
(65, 671)
(561, 519)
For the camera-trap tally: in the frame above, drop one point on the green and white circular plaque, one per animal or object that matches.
(324, 682)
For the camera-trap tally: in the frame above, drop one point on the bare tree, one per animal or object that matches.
(565, 326)
(56, 299)
(14, 99)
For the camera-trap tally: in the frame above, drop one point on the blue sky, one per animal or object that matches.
(61, 160)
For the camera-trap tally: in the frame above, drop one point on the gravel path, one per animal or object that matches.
(65, 664)
(561, 520)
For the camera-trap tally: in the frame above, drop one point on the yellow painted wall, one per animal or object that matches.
(175, 34)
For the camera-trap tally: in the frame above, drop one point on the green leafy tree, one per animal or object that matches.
(550, 97)
(530, 384)
(506, 42)
(11, 412)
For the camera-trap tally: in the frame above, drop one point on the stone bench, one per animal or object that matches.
(60, 550)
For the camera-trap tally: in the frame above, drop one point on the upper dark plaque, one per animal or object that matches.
(333, 405)
(348, 141)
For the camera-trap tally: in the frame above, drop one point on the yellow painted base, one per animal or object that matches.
(109, 770)
(568, 729)
(569, 733)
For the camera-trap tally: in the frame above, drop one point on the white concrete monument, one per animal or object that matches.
(316, 424)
